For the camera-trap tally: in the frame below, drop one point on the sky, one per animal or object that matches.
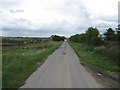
(43, 18)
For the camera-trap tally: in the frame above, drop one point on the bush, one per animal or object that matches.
(57, 38)
(111, 53)
(97, 41)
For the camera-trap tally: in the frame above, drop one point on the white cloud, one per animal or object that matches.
(64, 17)
(102, 7)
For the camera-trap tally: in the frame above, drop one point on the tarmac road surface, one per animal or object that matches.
(62, 69)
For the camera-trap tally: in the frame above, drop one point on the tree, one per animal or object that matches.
(97, 41)
(92, 32)
(74, 38)
(78, 38)
(82, 38)
(57, 38)
(92, 36)
(118, 33)
(110, 35)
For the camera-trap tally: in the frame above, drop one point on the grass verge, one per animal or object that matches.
(19, 64)
(93, 59)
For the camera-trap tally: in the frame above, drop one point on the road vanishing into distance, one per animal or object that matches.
(62, 69)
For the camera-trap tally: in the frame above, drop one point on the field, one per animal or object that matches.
(12, 41)
(20, 61)
(100, 57)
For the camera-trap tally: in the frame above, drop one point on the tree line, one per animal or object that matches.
(93, 37)
(57, 38)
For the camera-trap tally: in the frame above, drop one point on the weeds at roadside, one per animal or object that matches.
(20, 63)
(95, 57)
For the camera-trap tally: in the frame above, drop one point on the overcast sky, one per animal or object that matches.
(43, 18)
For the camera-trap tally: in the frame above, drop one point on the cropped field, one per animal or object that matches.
(19, 63)
(96, 58)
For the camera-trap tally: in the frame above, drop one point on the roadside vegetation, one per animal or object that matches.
(99, 50)
(20, 61)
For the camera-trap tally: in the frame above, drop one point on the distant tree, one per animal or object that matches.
(82, 38)
(110, 35)
(74, 38)
(57, 38)
(62, 38)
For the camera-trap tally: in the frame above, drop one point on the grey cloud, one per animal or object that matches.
(18, 23)
(109, 18)
(74, 8)
(24, 32)
(16, 11)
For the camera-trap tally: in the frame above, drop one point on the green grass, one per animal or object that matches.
(0, 70)
(93, 59)
(20, 63)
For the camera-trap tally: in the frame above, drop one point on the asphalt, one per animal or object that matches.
(62, 69)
